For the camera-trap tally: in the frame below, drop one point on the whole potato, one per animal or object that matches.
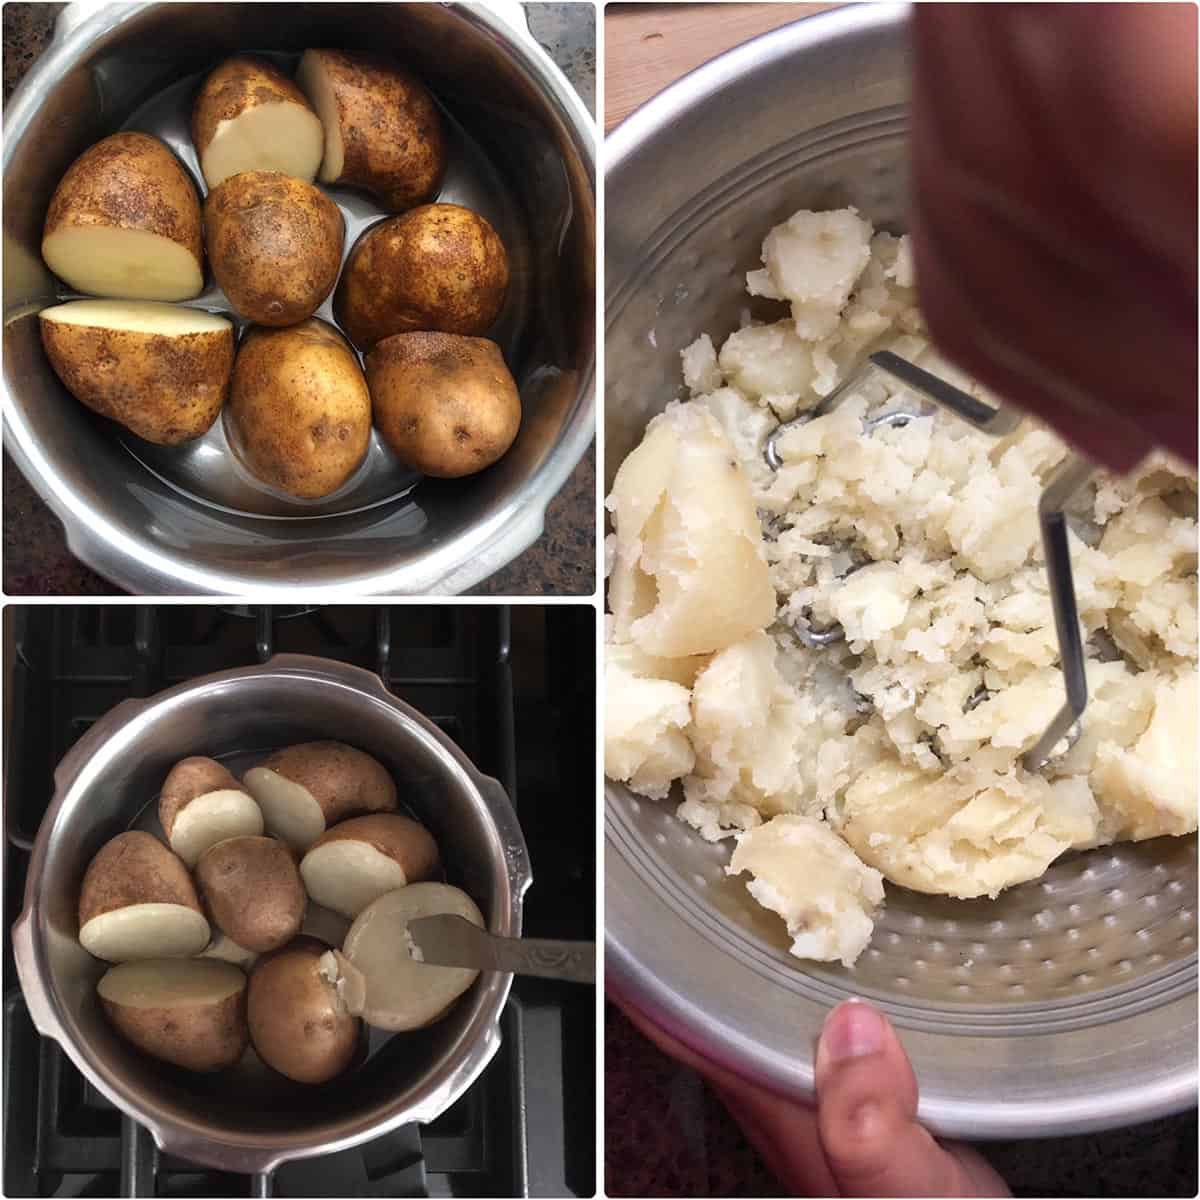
(253, 891)
(275, 245)
(440, 267)
(444, 403)
(299, 413)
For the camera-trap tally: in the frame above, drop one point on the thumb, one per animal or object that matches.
(867, 1117)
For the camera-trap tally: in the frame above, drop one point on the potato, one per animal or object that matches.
(249, 116)
(299, 1023)
(299, 410)
(190, 1012)
(439, 268)
(161, 371)
(383, 132)
(253, 891)
(275, 245)
(124, 222)
(137, 901)
(225, 948)
(306, 788)
(401, 991)
(201, 804)
(358, 860)
(444, 403)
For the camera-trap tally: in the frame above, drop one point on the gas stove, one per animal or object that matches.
(515, 688)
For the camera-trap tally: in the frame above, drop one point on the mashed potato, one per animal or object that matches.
(898, 749)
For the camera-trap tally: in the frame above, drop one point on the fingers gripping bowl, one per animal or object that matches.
(254, 1123)
(194, 517)
(1066, 1004)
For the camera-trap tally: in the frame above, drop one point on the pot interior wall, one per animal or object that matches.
(233, 721)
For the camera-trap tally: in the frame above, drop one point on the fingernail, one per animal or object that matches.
(852, 1030)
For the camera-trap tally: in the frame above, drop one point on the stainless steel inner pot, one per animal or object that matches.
(192, 519)
(1067, 1004)
(250, 1120)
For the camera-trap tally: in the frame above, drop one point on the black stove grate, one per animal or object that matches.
(515, 689)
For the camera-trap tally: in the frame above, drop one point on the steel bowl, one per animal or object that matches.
(192, 519)
(1069, 1003)
(250, 1120)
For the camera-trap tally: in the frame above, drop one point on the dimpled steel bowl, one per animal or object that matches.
(1067, 1004)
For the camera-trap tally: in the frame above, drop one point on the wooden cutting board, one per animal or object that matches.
(648, 46)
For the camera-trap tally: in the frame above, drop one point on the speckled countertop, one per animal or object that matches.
(560, 562)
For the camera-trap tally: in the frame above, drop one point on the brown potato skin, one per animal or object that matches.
(299, 408)
(406, 841)
(440, 267)
(342, 780)
(187, 779)
(274, 244)
(166, 390)
(446, 404)
(203, 1037)
(134, 868)
(297, 1024)
(129, 181)
(253, 891)
(393, 143)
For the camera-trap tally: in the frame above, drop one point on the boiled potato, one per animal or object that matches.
(190, 1012)
(299, 410)
(440, 268)
(383, 132)
(201, 804)
(249, 116)
(358, 860)
(253, 892)
(306, 788)
(225, 948)
(124, 222)
(275, 245)
(444, 403)
(401, 991)
(137, 902)
(160, 370)
(299, 1023)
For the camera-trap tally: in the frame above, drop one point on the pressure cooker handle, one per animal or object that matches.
(37, 1000)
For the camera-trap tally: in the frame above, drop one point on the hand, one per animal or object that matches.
(1054, 214)
(863, 1138)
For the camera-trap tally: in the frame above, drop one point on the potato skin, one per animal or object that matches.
(187, 779)
(297, 1024)
(275, 245)
(440, 267)
(299, 408)
(446, 404)
(393, 142)
(253, 891)
(343, 780)
(130, 181)
(201, 1037)
(166, 390)
(134, 868)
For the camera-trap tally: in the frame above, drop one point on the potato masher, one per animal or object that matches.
(1071, 475)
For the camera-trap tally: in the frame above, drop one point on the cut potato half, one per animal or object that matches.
(213, 818)
(137, 316)
(123, 263)
(141, 931)
(190, 1012)
(401, 992)
(289, 810)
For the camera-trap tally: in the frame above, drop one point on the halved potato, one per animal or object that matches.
(160, 370)
(201, 804)
(275, 245)
(299, 1023)
(383, 131)
(249, 116)
(253, 891)
(358, 860)
(191, 1012)
(137, 902)
(401, 992)
(124, 222)
(303, 789)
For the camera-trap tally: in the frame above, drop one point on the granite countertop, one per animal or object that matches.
(561, 562)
